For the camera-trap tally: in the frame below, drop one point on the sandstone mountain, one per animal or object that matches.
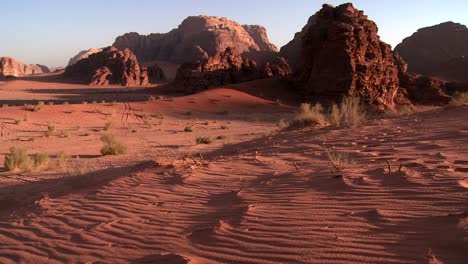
(292, 51)
(83, 55)
(440, 50)
(343, 56)
(11, 67)
(226, 67)
(196, 39)
(110, 66)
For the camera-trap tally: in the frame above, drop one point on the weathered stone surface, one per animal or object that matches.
(277, 67)
(155, 74)
(223, 68)
(83, 55)
(343, 56)
(292, 51)
(11, 67)
(440, 51)
(197, 38)
(110, 66)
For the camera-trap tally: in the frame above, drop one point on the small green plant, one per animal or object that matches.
(203, 140)
(188, 129)
(112, 146)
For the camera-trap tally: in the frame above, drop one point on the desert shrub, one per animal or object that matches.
(18, 159)
(339, 160)
(309, 115)
(222, 137)
(112, 146)
(352, 112)
(17, 122)
(188, 113)
(224, 127)
(203, 140)
(39, 106)
(188, 129)
(50, 127)
(459, 100)
(41, 160)
(5, 106)
(109, 125)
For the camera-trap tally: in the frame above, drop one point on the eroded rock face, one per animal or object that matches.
(277, 67)
(292, 51)
(197, 38)
(343, 56)
(440, 51)
(83, 55)
(224, 68)
(11, 67)
(110, 66)
(155, 74)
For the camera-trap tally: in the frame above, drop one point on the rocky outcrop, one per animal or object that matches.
(343, 56)
(292, 51)
(110, 66)
(227, 67)
(224, 68)
(196, 39)
(277, 67)
(155, 74)
(11, 67)
(83, 55)
(440, 51)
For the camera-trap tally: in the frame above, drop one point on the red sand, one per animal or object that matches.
(257, 196)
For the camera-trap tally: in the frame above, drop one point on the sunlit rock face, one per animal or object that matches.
(197, 38)
(11, 67)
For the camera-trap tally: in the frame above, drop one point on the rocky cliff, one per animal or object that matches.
(83, 55)
(110, 66)
(440, 50)
(197, 38)
(11, 67)
(343, 56)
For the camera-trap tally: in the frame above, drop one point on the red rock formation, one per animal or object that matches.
(440, 51)
(197, 38)
(83, 55)
(110, 66)
(223, 68)
(343, 56)
(292, 51)
(11, 67)
(155, 74)
(278, 67)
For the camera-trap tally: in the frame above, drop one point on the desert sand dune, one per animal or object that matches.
(255, 197)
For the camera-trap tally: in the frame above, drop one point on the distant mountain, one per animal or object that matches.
(197, 38)
(11, 67)
(440, 50)
(83, 55)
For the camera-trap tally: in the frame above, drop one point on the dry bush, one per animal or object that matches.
(109, 125)
(188, 129)
(38, 107)
(5, 106)
(50, 126)
(459, 99)
(339, 159)
(112, 146)
(352, 112)
(309, 116)
(224, 127)
(17, 122)
(203, 140)
(18, 160)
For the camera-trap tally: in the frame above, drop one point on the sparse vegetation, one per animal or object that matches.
(224, 112)
(188, 129)
(112, 146)
(224, 127)
(349, 113)
(222, 137)
(188, 113)
(109, 125)
(5, 106)
(41, 160)
(18, 160)
(203, 140)
(50, 127)
(151, 98)
(338, 159)
(17, 122)
(459, 100)
(39, 106)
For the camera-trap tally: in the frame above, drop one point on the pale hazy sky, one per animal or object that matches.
(51, 31)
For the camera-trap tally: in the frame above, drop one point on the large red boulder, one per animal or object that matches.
(343, 56)
(110, 66)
